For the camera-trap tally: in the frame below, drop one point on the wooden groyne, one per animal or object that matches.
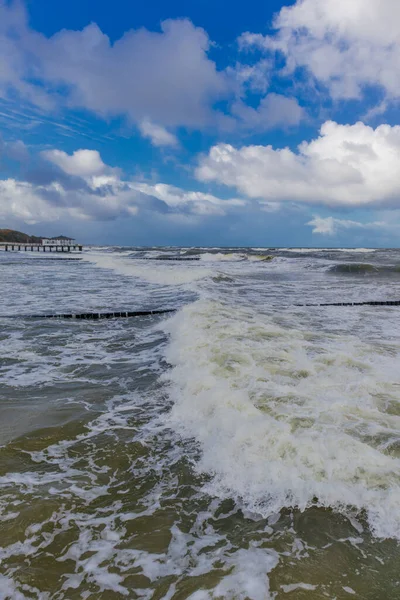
(368, 303)
(96, 315)
(29, 247)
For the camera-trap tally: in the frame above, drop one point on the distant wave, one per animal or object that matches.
(365, 269)
(234, 256)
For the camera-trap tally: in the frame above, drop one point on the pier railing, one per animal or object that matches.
(28, 247)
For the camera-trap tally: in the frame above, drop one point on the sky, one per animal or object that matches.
(201, 123)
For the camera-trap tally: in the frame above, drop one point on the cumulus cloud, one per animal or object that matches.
(331, 226)
(165, 76)
(274, 110)
(82, 163)
(347, 165)
(20, 201)
(157, 80)
(198, 203)
(344, 44)
(157, 134)
(53, 202)
(16, 60)
(83, 187)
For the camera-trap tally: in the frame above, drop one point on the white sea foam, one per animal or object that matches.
(248, 577)
(101, 552)
(284, 416)
(313, 250)
(293, 587)
(354, 250)
(222, 256)
(170, 274)
(231, 257)
(348, 590)
(303, 250)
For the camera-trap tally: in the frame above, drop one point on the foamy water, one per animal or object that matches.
(243, 448)
(278, 411)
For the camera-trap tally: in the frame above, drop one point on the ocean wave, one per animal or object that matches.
(365, 269)
(221, 277)
(285, 419)
(158, 274)
(234, 257)
(314, 250)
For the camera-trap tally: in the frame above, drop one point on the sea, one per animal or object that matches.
(244, 446)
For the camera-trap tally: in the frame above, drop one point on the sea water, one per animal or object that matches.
(243, 447)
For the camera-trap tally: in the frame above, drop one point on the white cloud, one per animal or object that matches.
(197, 202)
(165, 76)
(86, 188)
(345, 44)
(273, 111)
(157, 134)
(15, 61)
(20, 201)
(332, 226)
(157, 80)
(347, 165)
(52, 202)
(255, 77)
(82, 163)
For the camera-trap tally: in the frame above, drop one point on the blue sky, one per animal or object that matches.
(265, 124)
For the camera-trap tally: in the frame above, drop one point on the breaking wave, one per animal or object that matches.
(282, 416)
(234, 256)
(365, 269)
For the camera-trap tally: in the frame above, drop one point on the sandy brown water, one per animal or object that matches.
(170, 457)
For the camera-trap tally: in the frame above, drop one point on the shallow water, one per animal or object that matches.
(243, 448)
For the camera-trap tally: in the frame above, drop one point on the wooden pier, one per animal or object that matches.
(20, 247)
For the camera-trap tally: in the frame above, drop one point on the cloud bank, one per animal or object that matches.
(346, 166)
(331, 226)
(81, 186)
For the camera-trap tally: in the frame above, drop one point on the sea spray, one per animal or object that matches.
(278, 416)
